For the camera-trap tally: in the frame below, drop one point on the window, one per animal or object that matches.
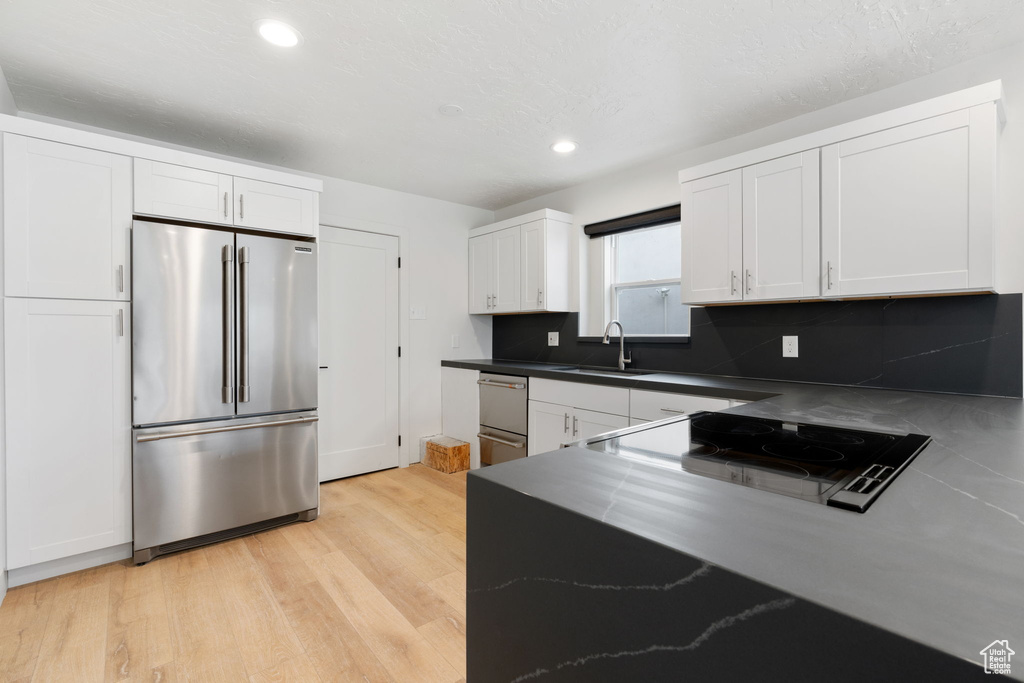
(645, 267)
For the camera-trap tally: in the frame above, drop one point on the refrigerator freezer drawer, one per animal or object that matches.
(204, 478)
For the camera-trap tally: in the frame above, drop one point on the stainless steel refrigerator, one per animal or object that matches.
(224, 384)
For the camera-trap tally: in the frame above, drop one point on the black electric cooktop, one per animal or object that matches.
(841, 467)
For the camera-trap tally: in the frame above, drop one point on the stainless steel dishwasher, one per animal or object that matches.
(502, 418)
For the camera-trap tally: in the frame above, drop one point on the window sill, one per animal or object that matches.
(639, 339)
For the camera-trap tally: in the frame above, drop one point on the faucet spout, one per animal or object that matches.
(623, 358)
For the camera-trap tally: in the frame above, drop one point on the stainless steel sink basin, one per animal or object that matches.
(608, 372)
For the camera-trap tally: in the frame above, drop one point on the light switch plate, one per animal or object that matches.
(455, 341)
(790, 349)
(552, 339)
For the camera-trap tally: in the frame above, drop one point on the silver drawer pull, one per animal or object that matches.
(673, 410)
(215, 430)
(505, 442)
(503, 385)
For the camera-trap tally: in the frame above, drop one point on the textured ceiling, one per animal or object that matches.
(630, 80)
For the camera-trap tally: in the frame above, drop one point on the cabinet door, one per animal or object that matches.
(505, 265)
(658, 405)
(182, 192)
(587, 423)
(67, 220)
(269, 206)
(909, 209)
(68, 428)
(480, 274)
(548, 426)
(781, 228)
(711, 218)
(534, 265)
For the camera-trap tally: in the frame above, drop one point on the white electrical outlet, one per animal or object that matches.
(552, 339)
(455, 341)
(790, 349)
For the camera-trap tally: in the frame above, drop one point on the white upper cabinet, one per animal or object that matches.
(67, 216)
(781, 228)
(181, 192)
(521, 264)
(194, 194)
(68, 428)
(270, 206)
(711, 222)
(480, 272)
(505, 267)
(909, 209)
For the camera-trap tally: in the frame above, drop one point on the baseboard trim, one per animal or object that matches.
(66, 565)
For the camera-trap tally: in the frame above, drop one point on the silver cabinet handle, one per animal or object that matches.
(243, 324)
(540, 297)
(502, 385)
(674, 411)
(120, 322)
(574, 421)
(120, 278)
(225, 205)
(506, 442)
(732, 274)
(748, 281)
(241, 207)
(488, 301)
(227, 389)
(828, 270)
(565, 429)
(215, 430)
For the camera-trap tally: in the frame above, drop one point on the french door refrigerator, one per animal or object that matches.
(224, 384)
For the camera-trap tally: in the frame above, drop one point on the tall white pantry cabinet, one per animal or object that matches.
(67, 352)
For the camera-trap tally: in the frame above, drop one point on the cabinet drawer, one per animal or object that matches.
(614, 400)
(657, 405)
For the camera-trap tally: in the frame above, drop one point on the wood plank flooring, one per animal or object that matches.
(373, 590)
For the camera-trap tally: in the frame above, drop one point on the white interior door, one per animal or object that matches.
(358, 353)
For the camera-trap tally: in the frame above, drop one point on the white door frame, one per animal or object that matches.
(402, 233)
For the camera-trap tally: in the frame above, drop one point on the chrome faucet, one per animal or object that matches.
(622, 343)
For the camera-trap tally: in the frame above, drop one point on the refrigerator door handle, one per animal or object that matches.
(243, 324)
(157, 436)
(227, 386)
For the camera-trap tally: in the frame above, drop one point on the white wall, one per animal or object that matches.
(655, 184)
(435, 266)
(6, 107)
(6, 98)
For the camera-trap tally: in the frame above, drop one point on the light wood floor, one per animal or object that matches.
(373, 590)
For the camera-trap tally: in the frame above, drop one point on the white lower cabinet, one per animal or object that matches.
(68, 427)
(552, 424)
(647, 406)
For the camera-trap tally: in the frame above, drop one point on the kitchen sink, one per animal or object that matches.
(608, 372)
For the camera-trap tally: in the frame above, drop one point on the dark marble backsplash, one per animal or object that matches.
(956, 344)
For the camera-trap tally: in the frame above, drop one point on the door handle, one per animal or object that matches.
(120, 278)
(227, 386)
(323, 367)
(225, 205)
(828, 270)
(674, 411)
(120, 322)
(540, 297)
(575, 420)
(732, 274)
(506, 442)
(241, 207)
(243, 324)
(565, 429)
(748, 281)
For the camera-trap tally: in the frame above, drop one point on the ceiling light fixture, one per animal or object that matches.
(564, 146)
(277, 32)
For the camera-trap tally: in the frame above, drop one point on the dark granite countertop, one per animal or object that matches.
(938, 558)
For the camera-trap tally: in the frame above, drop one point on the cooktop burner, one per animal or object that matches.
(842, 467)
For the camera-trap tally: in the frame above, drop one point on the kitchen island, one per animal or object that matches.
(587, 566)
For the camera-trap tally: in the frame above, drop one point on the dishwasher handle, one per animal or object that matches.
(503, 385)
(506, 442)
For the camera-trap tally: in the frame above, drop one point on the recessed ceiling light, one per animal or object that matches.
(450, 110)
(564, 146)
(277, 32)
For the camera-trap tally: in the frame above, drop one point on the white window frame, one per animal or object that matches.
(613, 287)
